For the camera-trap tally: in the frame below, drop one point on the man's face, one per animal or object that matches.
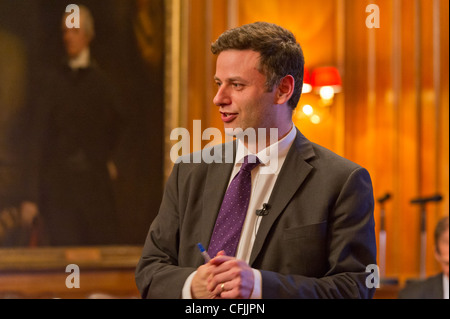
(242, 96)
(75, 40)
(442, 255)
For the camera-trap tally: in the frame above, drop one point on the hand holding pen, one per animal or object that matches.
(221, 281)
(204, 252)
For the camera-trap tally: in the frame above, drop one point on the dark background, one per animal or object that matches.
(139, 79)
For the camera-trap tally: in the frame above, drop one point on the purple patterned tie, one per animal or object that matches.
(230, 220)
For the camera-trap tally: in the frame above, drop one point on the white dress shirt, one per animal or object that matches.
(264, 177)
(445, 286)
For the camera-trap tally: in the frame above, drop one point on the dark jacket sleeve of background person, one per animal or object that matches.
(316, 241)
(429, 288)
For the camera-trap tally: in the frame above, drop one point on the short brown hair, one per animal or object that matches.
(281, 55)
(441, 227)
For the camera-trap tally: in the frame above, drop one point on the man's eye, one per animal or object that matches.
(237, 85)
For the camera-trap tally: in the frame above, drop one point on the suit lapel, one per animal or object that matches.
(437, 287)
(293, 173)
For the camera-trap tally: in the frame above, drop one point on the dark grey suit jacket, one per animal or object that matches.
(430, 288)
(315, 242)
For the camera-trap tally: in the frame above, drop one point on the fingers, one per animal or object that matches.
(199, 283)
(220, 259)
(228, 289)
(221, 253)
(231, 278)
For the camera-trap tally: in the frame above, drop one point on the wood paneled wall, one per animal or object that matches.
(396, 117)
(392, 116)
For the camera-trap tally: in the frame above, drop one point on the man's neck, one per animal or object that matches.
(271, 136)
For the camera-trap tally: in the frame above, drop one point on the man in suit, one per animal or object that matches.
(76, 130)
(434, 287)
(309, 228)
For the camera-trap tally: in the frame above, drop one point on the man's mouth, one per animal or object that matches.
(228, 117)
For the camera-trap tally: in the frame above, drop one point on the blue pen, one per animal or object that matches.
(203, 252)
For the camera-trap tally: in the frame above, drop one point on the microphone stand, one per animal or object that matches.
(423, 230)
(382, 240)
(423, 240)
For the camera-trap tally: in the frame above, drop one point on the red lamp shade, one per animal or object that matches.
(306, 76)
(307, 86)
(326, 76)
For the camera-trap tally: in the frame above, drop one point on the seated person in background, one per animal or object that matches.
(435, 287)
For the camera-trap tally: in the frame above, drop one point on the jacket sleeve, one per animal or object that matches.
(158, 274)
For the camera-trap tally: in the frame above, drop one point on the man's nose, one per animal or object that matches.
(222, 97)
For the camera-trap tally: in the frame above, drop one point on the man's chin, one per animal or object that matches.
(72, 54)
(234, 131)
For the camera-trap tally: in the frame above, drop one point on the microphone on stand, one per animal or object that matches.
(423, 200)
(384, 198)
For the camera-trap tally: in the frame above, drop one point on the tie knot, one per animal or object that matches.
(250, 162)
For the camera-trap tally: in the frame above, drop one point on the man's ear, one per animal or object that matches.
(285, 89)
(437, 254)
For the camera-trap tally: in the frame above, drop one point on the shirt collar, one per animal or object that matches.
(81, 61)
(278, 149)
(445, 284)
